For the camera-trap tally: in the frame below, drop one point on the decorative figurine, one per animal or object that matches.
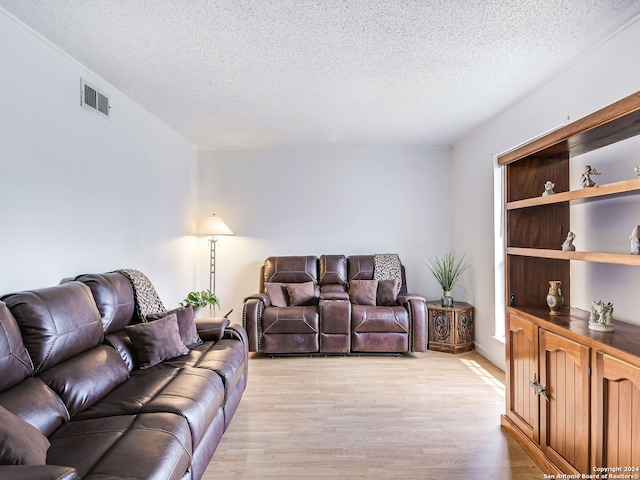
(585, 179)
(637, 170)
(568, 243)
(635, 240)
(555, 299)
(548, 189)
(601, 318)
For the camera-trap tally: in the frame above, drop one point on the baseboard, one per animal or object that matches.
(531, 448)
(498, 362)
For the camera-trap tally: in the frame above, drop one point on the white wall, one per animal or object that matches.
(604, 76)
(81, 193)
(314, 201)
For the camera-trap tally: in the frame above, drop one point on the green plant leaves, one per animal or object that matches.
(448, 269)
(201, 299)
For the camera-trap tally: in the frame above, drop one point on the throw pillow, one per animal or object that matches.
(186, 324)
(301, 293)
(363, 292)
(157, 340)
(20, 442)
(277, 294)
(387, 292)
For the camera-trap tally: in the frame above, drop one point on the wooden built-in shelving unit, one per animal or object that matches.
(573, 395)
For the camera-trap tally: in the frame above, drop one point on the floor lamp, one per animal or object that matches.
(213, 226)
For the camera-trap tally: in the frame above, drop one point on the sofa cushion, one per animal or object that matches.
(363, 292)
(20, 443)
(278, 294)
(301, 294)
(157, 340)
(15, 363)
(57, 322)
(149, 446)
(379, 319)
(186, 324)
(387, 294)
(226, 358)
(121, 342)
(35, 403)
(194, 393)
(294, 269)
(86, 378)
(290, 320)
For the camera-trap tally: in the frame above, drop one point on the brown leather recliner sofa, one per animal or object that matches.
(71, 388)
(334, 316)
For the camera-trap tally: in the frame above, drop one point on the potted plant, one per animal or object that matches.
(199, 300)
(447, 271)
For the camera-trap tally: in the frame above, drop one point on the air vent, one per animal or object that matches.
(93, 99)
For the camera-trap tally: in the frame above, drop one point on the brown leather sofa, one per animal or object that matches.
(331, 318)
(70, 369)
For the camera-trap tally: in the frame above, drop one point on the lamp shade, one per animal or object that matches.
(214, 225)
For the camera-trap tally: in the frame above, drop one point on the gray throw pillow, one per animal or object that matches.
(157, 340)
(363, 292)
(186, 324)
(278, 294)
(20, 442)
(301, 293)
(387, 292)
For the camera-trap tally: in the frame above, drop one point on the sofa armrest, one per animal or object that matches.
(252, 311)
(416, 305)
(38, 472)
(211, 328)
(262, 297)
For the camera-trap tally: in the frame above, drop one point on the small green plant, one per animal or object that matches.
(448, 269)
(201, 299)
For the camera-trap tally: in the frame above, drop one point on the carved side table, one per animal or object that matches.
(450, 328)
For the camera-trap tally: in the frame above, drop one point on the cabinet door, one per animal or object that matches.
(564, 416)
(617, 412)
(522, 368)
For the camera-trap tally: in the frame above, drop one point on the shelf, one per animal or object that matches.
(615, 258)
(625, 186)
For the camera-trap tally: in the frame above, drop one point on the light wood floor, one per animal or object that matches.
(422, 416)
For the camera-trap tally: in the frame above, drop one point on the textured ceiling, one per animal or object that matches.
(259, 73)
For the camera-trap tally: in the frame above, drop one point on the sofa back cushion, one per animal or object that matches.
(113, 295)
(296, 269)
(333, 269)
(15, 363)
(57, 322)
(84, 379)
(35, 403)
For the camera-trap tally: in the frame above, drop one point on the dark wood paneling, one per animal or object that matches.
(527, 178)
(529, 279)
(545, 226)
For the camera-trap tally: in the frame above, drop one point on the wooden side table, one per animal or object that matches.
(450, 328)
